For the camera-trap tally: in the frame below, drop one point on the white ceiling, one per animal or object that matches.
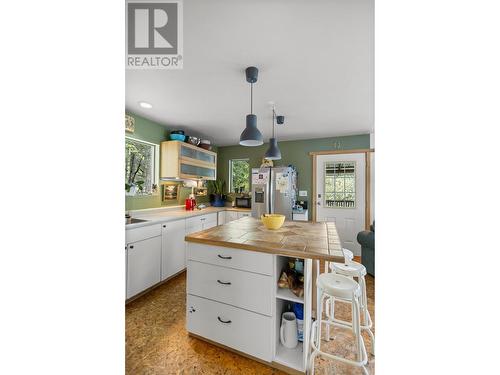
(315, 60)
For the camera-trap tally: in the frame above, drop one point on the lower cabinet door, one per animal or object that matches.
(221, 218)
(243, 214)
(173, 248)
(231, 215)
(236, 328)
(143, 265)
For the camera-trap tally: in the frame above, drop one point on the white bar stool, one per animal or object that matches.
(341, 287)
(348, 258)
(348, 255)
(351, 270)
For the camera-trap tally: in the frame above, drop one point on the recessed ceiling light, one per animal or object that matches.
(145, 105)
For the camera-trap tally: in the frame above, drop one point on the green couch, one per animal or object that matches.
(366, 239)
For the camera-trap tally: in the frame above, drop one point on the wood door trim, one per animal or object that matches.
(367, 152)
(333, 152)
(314, 188)
(367, 190)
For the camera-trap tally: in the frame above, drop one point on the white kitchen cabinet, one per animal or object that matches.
(143, 265)
(221, 218)
(202, 222)
(244, 214)
(231, 216)
(173, 249)
(237, 328)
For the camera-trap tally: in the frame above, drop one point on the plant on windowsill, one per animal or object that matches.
(133, 188)
(217, 197)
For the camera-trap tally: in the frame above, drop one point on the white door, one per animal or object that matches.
(143, 265)
(173, 253)
(340, 187)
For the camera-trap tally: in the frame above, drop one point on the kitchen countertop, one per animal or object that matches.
(295, 239)
(162, 215)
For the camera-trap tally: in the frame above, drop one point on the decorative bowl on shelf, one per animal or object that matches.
(272, 221)
(194, 140)
(177, 137)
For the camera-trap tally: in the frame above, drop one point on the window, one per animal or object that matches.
(340, 184)
(141, 166)
(239, 175)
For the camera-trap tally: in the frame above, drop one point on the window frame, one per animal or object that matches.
(156, 166)
(230, 184)
(355, 190)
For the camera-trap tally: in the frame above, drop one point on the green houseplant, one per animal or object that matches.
(217, 197)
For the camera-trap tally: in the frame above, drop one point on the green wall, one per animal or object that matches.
(292, 152)
(153, 132)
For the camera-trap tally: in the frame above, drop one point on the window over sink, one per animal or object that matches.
(141, 167)
(239, 175)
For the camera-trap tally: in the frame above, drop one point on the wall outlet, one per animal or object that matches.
(302, 193)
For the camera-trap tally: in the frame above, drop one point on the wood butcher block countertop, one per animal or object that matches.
(298, 239)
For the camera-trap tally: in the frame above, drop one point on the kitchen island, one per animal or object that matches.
(233, 299)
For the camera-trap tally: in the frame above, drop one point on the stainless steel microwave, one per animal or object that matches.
(243, 202)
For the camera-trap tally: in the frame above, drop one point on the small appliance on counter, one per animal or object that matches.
(243, 202)
(300, 212)
(190, 202)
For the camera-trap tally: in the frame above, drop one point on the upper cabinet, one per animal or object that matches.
(185, 161)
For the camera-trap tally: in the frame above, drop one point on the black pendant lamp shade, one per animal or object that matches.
(251, 136)
(273, 152)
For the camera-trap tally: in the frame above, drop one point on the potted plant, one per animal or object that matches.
(133, 188)
(217, 197)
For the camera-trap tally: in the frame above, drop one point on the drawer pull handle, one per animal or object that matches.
(223, 257)
(224, 282)
(223, 321)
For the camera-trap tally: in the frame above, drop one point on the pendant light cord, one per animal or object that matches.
(274, 116)
(251, 98)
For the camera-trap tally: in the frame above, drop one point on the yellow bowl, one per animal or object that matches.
(273, 221)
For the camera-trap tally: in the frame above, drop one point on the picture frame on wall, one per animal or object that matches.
(170, 192)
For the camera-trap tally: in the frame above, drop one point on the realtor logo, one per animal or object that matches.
(154, 34)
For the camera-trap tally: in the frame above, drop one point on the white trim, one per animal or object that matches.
(156, 157)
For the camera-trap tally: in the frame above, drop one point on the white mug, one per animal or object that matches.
(288, 330)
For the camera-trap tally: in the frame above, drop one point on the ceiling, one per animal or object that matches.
(315, 60)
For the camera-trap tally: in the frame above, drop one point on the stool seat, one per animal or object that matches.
(348, 254)
(352, 269)
(338, 286)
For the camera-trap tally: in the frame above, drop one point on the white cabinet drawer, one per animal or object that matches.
(141, 233)
(234, 258)
(239, 329)
(194, 222)
(250, 291)
(210, 218)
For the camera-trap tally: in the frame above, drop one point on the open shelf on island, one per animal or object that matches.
(290, 357)
(287, 295)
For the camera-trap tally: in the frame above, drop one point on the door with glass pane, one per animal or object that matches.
(340, 188)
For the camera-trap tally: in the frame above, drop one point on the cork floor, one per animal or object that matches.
(157, 342)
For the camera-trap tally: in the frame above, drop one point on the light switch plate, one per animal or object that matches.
(302, 193)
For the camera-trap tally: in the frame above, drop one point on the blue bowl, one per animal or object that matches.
(177, 137)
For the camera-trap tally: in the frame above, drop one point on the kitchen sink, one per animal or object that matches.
(134, 220)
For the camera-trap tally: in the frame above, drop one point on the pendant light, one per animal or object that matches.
(273, 152)
(251, 136)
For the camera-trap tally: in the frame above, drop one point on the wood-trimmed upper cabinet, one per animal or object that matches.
(185, 161)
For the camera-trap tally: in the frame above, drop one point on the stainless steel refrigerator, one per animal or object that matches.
(274, 190)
